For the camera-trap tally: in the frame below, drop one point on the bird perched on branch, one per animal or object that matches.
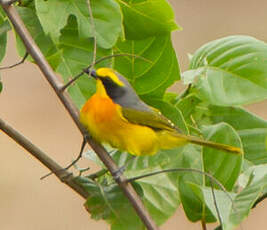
(117, 116)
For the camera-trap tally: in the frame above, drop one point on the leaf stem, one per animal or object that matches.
(203, 224)
(97, 174)
(215, 203)
(218, 183)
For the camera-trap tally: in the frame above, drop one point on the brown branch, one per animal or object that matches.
(49, 74)
(63, 175)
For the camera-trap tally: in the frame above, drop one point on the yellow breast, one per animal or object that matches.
(104, 121)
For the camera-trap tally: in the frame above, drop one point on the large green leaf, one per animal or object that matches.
(231, 70)
(48, 48)
(107, 202)
(251, 129)
(146, 18)
(222, 165)
(106, 16)
(151, 77)
(77, 53)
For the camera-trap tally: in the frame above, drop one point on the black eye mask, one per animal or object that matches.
(113, 90)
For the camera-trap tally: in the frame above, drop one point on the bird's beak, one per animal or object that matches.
(93, 74)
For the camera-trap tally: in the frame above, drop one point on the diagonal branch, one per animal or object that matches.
(49, 74)
(63, 175)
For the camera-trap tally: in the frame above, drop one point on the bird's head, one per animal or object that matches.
(114, 84)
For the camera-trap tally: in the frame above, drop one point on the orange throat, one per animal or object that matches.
(105, 122)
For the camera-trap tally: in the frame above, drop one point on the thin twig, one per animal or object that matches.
(49, 74)
(97, 174)
(87, 69)
(215, 203)
(16, 64)
(72, 163)
(63, 175)
(260, 199)
(203, 225)
(218, 183)
(184, 93)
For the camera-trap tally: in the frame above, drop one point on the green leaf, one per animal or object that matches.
(193, 206)
(255, 144)
(77, 54)
(188, 106)
(244, 202)
(147, 18)
(4, 28)
(233, 214)
(151, 77)
(223, 201)
(161, 196)
(106, 16)
(237, 117)
(107, 202)
(3, 40)
(46, 45)
(222, 165)
(234, 70)
(251, 129)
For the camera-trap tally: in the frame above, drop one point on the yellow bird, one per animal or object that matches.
(117, 116)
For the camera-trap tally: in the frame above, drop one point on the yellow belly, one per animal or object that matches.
(105, 123)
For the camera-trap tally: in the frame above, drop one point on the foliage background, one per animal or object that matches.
(28, 203)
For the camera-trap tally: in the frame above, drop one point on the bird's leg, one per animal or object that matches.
(73, 163)
(116, 174)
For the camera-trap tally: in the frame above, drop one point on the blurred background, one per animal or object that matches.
(29, 105)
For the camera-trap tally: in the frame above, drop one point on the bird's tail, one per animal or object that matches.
(173, 139)
(219, 146)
